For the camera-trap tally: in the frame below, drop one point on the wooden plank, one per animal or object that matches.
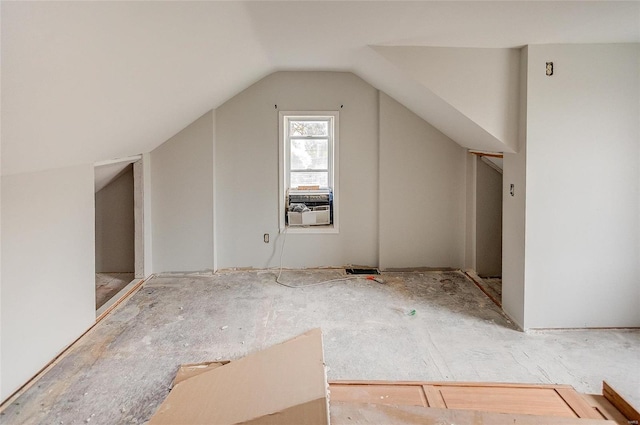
(434, 398)
(578, 404)
(605, 408)
(620, 403)
(410, 395)
(423, 395)
(531, 401)
(343, 413)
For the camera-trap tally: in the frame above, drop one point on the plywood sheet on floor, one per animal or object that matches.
(343, 413)
(545, 400)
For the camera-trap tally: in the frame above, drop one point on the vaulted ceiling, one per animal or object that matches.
(89, 81)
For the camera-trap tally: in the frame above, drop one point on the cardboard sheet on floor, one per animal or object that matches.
(187, 371)
(285, 383)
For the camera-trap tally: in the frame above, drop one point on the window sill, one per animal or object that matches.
(328, 229)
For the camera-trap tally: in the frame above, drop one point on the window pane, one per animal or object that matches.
(309, 154)
(309, 179)
(308, 128)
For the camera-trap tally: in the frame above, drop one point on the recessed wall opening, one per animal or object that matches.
(489, 224)
(117, 229)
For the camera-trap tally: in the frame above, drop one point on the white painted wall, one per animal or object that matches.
(146, 216)
(470, 216)
(48, 283)
(513, 211)
(583, 187)
(422, 192)
(115, 225)
(247, 172)
(480, 83)
(182, 199)
(402, 182)
(488, 220)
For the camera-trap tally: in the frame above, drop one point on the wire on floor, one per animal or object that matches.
(340, 279)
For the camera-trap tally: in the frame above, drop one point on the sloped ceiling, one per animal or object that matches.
(88, 81)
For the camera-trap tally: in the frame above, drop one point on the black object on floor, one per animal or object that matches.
(362, 271)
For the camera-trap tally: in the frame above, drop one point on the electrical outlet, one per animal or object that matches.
(266, 238)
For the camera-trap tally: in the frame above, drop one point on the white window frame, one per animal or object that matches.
(283, 175)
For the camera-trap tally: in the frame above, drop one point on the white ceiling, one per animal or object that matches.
(89, 81)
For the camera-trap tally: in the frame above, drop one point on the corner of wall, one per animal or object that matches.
(470, 227)
(214, 186)
(1, 392)
(146, 214)
(514, 213)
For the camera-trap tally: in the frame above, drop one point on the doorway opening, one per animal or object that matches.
(488, 220)
(118, 229)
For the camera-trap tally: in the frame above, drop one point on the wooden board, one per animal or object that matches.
(620, 403)
(605, 408)
(346, 413)
(408, 395)
(524, 399)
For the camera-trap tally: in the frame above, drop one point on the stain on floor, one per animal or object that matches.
(435, 326)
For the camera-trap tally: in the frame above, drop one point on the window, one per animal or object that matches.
(308, 159)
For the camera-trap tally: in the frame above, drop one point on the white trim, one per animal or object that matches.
(129, 159)
(334, 175)
(320, 230)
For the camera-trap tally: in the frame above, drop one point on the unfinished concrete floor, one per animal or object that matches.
(121, 371)
(109, 284)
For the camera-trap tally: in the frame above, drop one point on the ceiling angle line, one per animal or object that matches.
(131, 159)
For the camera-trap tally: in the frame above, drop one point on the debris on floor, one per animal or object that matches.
(287, 383)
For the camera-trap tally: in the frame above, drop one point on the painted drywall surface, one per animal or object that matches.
(488, 221)
(146, 216)
(213, 192)
(48, 281)
(389, 78)
(480, 83)
(115, 225)
(182, 199)
(470, 217)
(513, 211)
(247, 172)
(583, 221)
(138, 219)
(124, 83)
(422, 192)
